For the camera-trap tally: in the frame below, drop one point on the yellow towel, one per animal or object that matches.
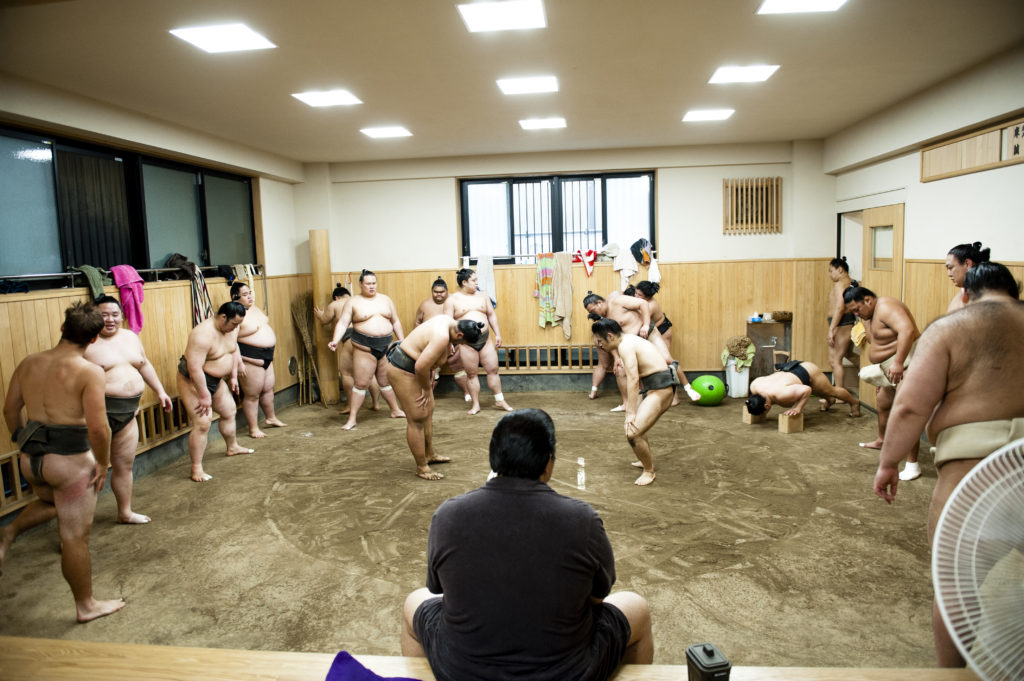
(858, 335)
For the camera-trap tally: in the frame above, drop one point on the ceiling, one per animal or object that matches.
(628, 69)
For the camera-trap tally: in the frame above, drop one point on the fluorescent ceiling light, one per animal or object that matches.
(327, 98)
(542, 123)
(223, 38)
(797, 6)
(525, 86)
(757, 73)
(386, 131)
(510, 15)
(707, 115)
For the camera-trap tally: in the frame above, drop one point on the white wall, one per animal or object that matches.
(394, 224)
(285, 248)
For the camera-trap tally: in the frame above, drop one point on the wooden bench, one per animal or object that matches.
(37, 659)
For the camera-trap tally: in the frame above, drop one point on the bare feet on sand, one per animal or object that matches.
(398, 414)
(135, 519)
(593, 392)
(877, 444)
(276, 423)
(645, 479)
(199, 476)
(474, 410)
(95, 609)
(502, 404)
(429, 474)
(257, 434)
(437, 458)
(239, 449)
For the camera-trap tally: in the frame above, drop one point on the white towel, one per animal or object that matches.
(653, 273)
(625, 264)
(485, 277)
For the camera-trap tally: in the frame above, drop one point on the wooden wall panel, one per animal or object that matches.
(707, 303)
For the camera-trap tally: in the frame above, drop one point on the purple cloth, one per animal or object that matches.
(347, 668)
(129, 284)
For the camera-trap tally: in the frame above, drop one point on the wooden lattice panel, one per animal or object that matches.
(752, 205)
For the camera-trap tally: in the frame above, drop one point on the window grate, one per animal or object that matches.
(752, 205)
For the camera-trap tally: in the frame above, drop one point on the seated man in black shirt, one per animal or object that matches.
(525, 575)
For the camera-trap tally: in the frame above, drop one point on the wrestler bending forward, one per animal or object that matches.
(411, 366)
(792, 385)
(65, 447)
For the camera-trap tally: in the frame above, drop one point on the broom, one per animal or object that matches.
(302, 316)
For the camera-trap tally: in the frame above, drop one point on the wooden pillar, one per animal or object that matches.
(320, 260)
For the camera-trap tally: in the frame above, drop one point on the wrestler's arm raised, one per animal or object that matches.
(94, 404)
(915, 401)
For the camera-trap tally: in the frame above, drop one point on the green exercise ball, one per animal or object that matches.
(711, 389)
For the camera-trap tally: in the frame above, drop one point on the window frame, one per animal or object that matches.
(556, 204)
(135, 196)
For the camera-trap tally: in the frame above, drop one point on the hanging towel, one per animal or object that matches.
(202, 307)
(587, 258)
(543, 291)
(129, 284)
(96, 277)
(626, 266)
(654, 272)
(561, 285)
(245, 272)
(485, 277)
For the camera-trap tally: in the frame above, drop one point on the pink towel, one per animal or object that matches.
(129, 283)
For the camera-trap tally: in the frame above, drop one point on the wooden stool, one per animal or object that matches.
(750, 419)
(791, 424)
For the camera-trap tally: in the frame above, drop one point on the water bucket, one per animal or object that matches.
(738, 381)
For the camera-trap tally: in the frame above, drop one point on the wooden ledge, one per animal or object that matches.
(40, 659)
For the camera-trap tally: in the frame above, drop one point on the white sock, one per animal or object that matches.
(467, 397)
(621, 407)
(499, 397)
(694, 395)
(911, 471)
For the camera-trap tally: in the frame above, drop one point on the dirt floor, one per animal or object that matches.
(772, 546)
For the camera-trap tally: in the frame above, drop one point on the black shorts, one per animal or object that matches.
(794, 368)
(604, 655)
(265, 355)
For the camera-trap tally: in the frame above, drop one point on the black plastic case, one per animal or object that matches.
(705, 662)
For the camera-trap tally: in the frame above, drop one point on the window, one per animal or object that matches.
(513, 219)
(752, 205)
(65, 203)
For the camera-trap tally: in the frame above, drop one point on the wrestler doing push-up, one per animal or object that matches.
(792, 385)
(411, 366)
(65, 448)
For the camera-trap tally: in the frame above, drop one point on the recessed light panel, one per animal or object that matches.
(223, 38)
(386, 131)
(797, 6)
(509, 15)
(756, 73)
(327, 98)
(707, 115)
(542, 123)
(525, 86)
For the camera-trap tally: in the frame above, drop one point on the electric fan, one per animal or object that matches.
(978, 565)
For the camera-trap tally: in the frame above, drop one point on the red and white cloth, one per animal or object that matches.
(587, 258)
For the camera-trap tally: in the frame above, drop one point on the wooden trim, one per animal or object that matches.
(955, 160)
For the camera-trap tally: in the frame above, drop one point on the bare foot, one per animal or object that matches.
(8, 537)
(877, 444)
(238, 449)
(135, 519)
(437, 458)
(349, 426)
(621, 407)
(645, 479)
(502, 405)
(675, 399)
(200, 476)
(97, 609)
(277, 423)
(398, 414)
(474, 410)
(429, 474)
(375, 404)
(257, 433)
(826, 403)
(637, 464)
(593, 392)
(855, 411)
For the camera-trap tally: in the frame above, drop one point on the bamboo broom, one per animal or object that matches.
(302, 316)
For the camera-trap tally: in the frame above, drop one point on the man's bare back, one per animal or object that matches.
(977, 385)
